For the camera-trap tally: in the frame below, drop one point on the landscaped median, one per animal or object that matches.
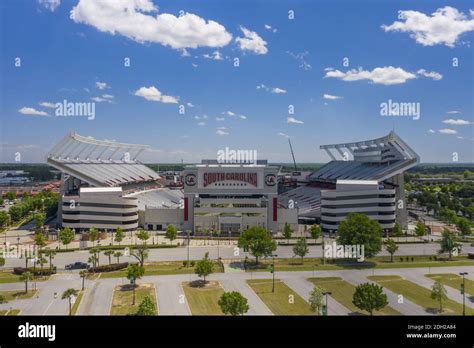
(9, 312)
(76, 304)
(12, 295)
(203, 297)
(10, 277)
(283, 301)
(454, 281)
(343, 292)
(419, 295)
(123, 298)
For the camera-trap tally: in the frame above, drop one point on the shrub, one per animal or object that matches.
(470, 255)
(185, 263)
(193, 263)
(34, 272)
(109, 268)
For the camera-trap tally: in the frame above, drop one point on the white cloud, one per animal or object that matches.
(222, 131)
(331, 97)
(50, 5)
(274, 90)
(201, 123)
(153, 94)
(251, 42)
(190, 105)
(453, 112)
(269, 27)
(448, 131)
(219, 119)
(31, 111)
(101, 100)
(283, 135)
(243, 117)
(216, 55)
(301, 59)
(277, 90)
(430, 74)
(101, 85)
(48, 105)
(387, 75)
(138, 20)
(443, 27)
(431, 131)
(292, 120)
(194, 65)
(458, 122)
(107, 96)
(229, 113)
(203, 117)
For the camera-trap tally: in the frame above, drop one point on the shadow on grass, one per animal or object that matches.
(127, 287)
(356, 265)
(198, 283)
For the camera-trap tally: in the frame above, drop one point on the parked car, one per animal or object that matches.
(78, 265)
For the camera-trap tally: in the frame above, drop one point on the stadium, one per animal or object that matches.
(104, 185)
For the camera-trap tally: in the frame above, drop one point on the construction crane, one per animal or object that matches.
(292, 155)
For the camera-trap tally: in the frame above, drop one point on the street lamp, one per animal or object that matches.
(325, 308)
(273, 272)
(463, 292)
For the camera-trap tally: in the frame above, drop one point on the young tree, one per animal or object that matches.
(301, 248)
(233, 303)
(66, 236)
(204, 267)
(118, 254)
(258, 241)
(109, 253)
(397, 230)
(40, 240)
(316, 299)
(420, 229)
(447, 243)
(4, 219)
(83, 275)
(143, 235)
(464, 226)
(369, 297)
(41, 260)
(439, 293)
(140, 252)
(391, 248)
(93, 235)
(315, 231)
(171, 233)
(134, 272)
(11, 196)
(26, 277)
(69, 294)
(146, 307)
(359, 229)
(287, 232)
(50, 253)
(40, 219)
(119, 235)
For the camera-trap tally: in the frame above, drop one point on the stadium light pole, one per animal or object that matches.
(463, 292)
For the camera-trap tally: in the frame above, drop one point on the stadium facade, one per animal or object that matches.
(104, 185)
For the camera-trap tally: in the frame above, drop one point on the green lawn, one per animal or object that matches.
(203, 300)
(343, 293)
(9, 277)
(454, 281)
(18, 294)
(284, 301)
(123, 298)
(76, 304)
(159, 268)
(9, 312)
(419, 295)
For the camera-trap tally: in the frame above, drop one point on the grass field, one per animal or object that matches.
(203, 300)
(76, 304)
(454, 281)
(419, 295)
(9, 312)
(159, 268)
(343, 293)
(9, 277)
(283, 301)
(18, 294)
(123, 298)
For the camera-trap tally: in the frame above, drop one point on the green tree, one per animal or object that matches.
(420, 229)
(50, 253)
(146, 307)
(66, 236)
(464, 226)
(16, 212)
(258, 241)
(134, 272)
(119, 235)
(40, 239)
(287, 232)
(26, 277)
(316, 298)
(233, 303)
(143, 235)
(358, 229)
(439, 293)
(3, 299)
(369, 297)
(40, 219)
(204, 267)
(301, 248)
(447, 243)
(93, 234)
(171, 233)
(109, 253)
(391, 248)
(397, 230)
(83, 275)
(11, 196)
(117, 255)
(69, 294)
(140, 252)
(315, 231)
(4, 219)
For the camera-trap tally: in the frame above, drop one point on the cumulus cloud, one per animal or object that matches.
(153, 94)
(216, 55)
(430, 74)
(331, 97)
(32, 111)
(274, 90)
(251, 42)
(47, 105)
(138, 20)
(229, 113)
(448, 131)
(431, 131)
(458, 122)
(104, 98)
(443, 27)
(242, 117)
(387, 75)
(190, 105)
(292, 120)
(222, 131)
(50, 5)
(101, 85)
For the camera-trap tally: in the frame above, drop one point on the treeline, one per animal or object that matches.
(37, 172)
(46, 202)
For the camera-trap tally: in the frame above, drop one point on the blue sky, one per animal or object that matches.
(295, 62)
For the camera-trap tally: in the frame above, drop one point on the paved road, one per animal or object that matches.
(196, 253)
(256, 306)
